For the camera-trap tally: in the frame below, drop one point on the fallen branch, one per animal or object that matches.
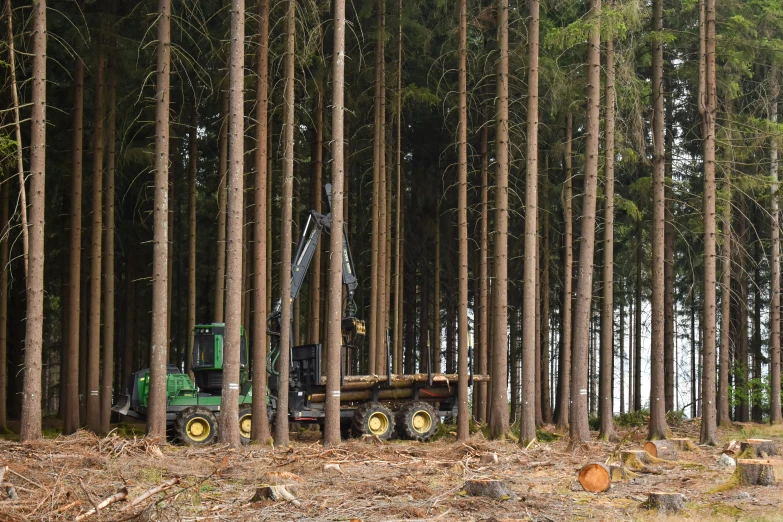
(120, 495)
(147, 494)
(66, 507)
(34, 483)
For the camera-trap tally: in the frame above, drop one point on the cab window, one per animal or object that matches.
(203, 351)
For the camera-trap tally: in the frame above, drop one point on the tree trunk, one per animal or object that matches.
(755, 387)
(606, 404)
(96, 248)
(775, 415)
(564, 380)
(498, 424)
(637, 363)
(741, 410)
(622, 356)
(193, 154)
(527, 425)
(580, 429)
(668, 254)
(260, 425)
(380, 150)
(71, 389)
(316, 187)
(220, 263)
(4, 270)
(30, 427)
(18, 136)
(156, 417)
(546, 405)
(657, 425)
(281, 425)
(129, 352)
(376, 336)
(722, 410)
(108, 259)
(436, 327)
(480, 388)
(335, 292)
(398, 268)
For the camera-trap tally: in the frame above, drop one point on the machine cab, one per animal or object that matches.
(208, 356)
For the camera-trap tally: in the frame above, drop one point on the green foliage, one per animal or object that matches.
(633, 418)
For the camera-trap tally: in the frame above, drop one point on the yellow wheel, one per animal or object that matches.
(196, 426)
(373, 418)
(417, 420)
(378, 423)
(421, 421)
(245, 423)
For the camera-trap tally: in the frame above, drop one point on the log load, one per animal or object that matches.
(665, 503)
(755, 472)
(758, 448)
(595, 478)
(660, 449)
(365, 382)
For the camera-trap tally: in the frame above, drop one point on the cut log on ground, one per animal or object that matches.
(758, 448)
(665, 503)
(276, 493)
(147, 494)
(660, 449)
(595, 478)
(487, 488)
(755, 472)
(122, 494)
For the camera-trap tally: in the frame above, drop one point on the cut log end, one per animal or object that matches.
(758, 448)
(595, 478)
(755, 472)
(660, 449)
(488, 488)
(665, 503)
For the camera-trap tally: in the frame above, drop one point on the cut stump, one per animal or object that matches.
(635, 458)
(491, 488)
(755, 472)
(619, 473)
(275, 493)
(595, 478)
(758, 448)
(665, 503)
(660, 449)
(682, 444)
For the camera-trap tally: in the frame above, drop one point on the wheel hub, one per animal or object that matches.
(422, 421)
(197, 429)
(245, 425)
(378, 423)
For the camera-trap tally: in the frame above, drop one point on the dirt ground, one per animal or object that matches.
(63, 478)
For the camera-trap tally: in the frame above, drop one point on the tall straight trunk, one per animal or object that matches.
(96, 248)
(18, 137)
(637, 342)
(335, 291)
(71, 390)
(722, 410)
(229, 427)
(631, 343)
(606, 403)
(564, 380)
(30, 426)
(260, 425)
(462, 211)
(281, 424)
(514, 360)
(436, 326)
(546, 404)
(424, 320)
(316, 187)
(380, 151)
(480, 388)
(375, 273)
(657, 428)
(174, 173)
(755, 388)
(580, 429)
(220, 263)
(108, 258)
(192, 172)
(498, 424)
(527, 425)
(668, 255)
(622, 357)
(693, 355)
(4, 269)
(775, 415)
(398, 226)
(128, 355)
(537, 347)
(156, 418)
(741, 410)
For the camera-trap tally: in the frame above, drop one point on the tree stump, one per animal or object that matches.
(489, 458)
(619, 473)
(660, 449)
(758, 448)
(595, 478)
(682, 444)
(491, 488)
(665, 503)
(635, 459)
(755, 472)
(276, 493)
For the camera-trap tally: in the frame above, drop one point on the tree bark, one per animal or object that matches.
(657, 428)
(96, 247)
(580, 429)
(229, 426)
(498, 424)
(30, 427)
(108, 259)
(622, 356)
(708, 417)
(722, 410)
(637, 352)
(4, 270)
(606, 377)
(71, 389)
(335, 291)
(316, 187)
(398, 267)
(281, 425)
(480, 389)
(220, 263)
(260, 424)
(156, 417)
(193, 157)
(564, 380)
(546, 405)
(775, 415)
(527, 425)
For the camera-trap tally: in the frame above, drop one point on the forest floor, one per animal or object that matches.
(64, 477)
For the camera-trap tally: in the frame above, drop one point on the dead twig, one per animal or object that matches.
(89, 497)
(122, 494)
(34, 483)
(66, 507)
(147, 494)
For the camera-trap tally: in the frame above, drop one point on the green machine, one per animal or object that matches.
(194, 405)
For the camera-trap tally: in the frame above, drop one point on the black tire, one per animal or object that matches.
(417, 420)
(373, 418)
(196, 426)
(245, 422)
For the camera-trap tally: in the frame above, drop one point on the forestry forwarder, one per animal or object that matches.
(369, 404)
